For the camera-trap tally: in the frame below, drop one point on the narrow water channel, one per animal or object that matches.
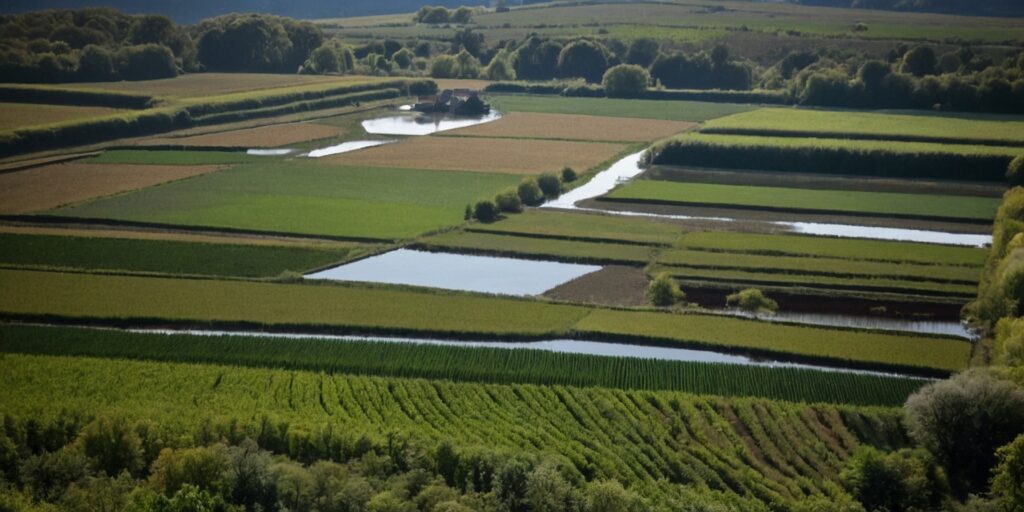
(423, 124)
(568, 346)
(346, 147)
(876, 323)
(629, 167)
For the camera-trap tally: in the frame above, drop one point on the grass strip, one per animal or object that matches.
(583, 227)
(566, 250)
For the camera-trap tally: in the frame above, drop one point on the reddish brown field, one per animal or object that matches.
(43, 188)
(178, 236)
(511, 156)
(260, 137)
(574, 127)
(611, 286)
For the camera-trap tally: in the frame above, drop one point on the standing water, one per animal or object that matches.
(424, 124)
(346, 147)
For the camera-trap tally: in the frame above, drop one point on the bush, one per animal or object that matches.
(752, 301)
(625, 81)
(485, 211)
(902, 480)
(1015, 172)
(568, 175)
(444, 66)
(962, 421)
(1008, 477)
(583, 59)
(530, 193)
(550, 185)
(112, 446)
(664, 291)
(508, 201)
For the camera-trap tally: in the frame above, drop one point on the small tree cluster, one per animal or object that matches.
(439, 15)
(664, 291)
(753, 301)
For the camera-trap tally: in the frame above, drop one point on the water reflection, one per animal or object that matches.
(629, 167)
(423, 124)
(941, 327)
(486, 274)
(567, 346)
(269, 152)
(346, 147)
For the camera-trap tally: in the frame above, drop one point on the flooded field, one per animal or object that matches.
(345, 147)
(485, 274)
(423, 124)
(878, 323)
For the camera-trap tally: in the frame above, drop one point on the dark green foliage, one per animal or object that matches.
(900, 481)
(625, 81)
(255, 42)
(1015, 172)
(550, 185)
(530, 192)
(112, 446)
(73, 97)
(751, 300)
(583, 59)
(486, 211)
(962, 421)
(832, 160)
(919, 61)
(161, 256)
(568, 175)
(701, 71)
(1008, 476)
(643, 51)
(471, 364)
(508, 201)
(537, 59)
(664, 291)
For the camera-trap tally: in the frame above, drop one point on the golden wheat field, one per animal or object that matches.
(259, 137)
(23, 115)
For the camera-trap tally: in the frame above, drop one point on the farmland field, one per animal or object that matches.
(575, 226)
(172, 257)
(688, 111)
(868, 145)
(42, 188)
(818, 201)
(560, 249)
(261, 137)
(21, 115)
(469, 364)
(310, 199)
(511, 156)
(152, 157)
(209, 84)
(574, 127)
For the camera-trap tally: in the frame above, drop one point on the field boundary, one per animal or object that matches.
(759, 132)
(544, 236)
(742, 283)
(535, 256)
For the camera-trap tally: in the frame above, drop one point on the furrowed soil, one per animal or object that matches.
(510, 156)
(613, 285)
(47, 187)
(261, 137)
(575, 127)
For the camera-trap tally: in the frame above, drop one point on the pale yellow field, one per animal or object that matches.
(210, 84)
(575, 127)
(260, 137)
(23, 115)
(42, 188)
(511, 156)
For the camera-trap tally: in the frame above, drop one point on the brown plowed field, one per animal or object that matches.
(575, 127)
(43, 188)
(511, 156)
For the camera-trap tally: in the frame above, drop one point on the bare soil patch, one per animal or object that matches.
(47, 187)
(260, 137)
(511, 156)
(575, 127)
(611, 286)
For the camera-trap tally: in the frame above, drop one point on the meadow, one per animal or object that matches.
(162, 256)
(464, 364)
(583, 227)
(737, 450)
(306, 198)
(887, 204)
(511, 156)
(197, 85)
(952, 129)
(688, 111)
(50, 186)
(825, 247)
(260, 137)
(565, 250)
(21, 115)
(536, 125)
(893, 146)
(866, 348)
(184, 158)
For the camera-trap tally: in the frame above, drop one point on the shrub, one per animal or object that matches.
(112, 446)
(752, 301)
(625, 81)
(568, 175)
(550, 185)
(583, 59)
(501, 67)
(962, 421)
(1015, 171)
(444, 66)
(1008, 477)
(469, 66)
(902, 480)
(664, 291)
(919, 61)
(485, 211)
(508, 201)
(530, 193)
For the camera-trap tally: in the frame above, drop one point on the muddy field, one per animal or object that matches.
(574, 127)
(614, 285)
(260, 137)
(47, 187)
(511, 156)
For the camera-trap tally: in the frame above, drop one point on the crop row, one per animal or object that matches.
(468, 364)
(635, 436)
(469, 241)
(163, 256)
(142, 300)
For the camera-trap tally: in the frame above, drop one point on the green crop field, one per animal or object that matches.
(735, 333)
(468, 364)
(647, 109)
(585, 227)
(819, 266)
(771, 121)
(559, 249)
(850, 144)
(824, 247)
(638, 437)
(928, 206)
(310, 199)
(162, 256)
(151, 157)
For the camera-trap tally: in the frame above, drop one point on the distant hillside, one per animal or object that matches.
(192, 11)
(962, 7)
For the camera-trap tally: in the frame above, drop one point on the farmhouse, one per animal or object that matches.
(462, 102)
